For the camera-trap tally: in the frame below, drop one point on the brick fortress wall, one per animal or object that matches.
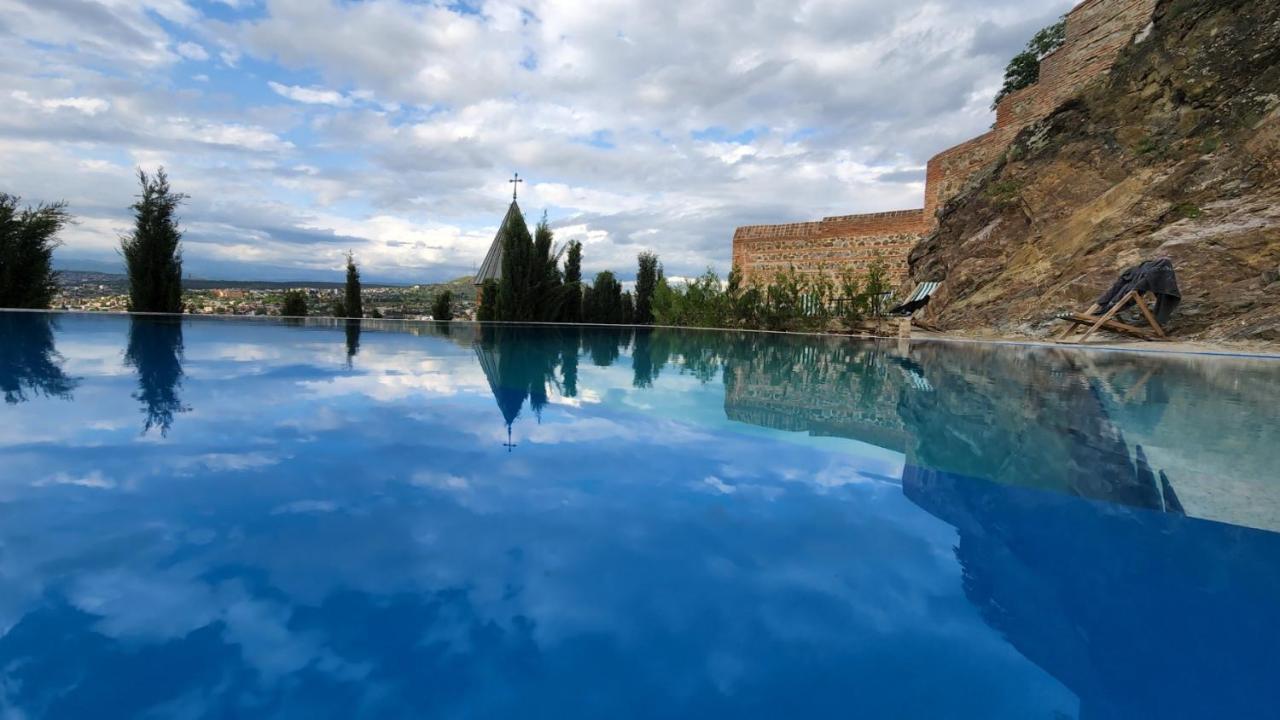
(1097, 30)
(830, 245)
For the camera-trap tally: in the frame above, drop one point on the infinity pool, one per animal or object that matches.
(241, 518)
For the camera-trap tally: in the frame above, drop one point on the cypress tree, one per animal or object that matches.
(628, 308)
(353, 306)
(547, 293)
(588, 314)
(153, 251)
(515, 286)
(605, 305)
(27, 240)
(571, 310)
(26, 250)
(295, 304)
(442, 308)
(488, 297)
(646, 284)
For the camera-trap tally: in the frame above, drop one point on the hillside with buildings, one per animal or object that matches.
(1174, 152)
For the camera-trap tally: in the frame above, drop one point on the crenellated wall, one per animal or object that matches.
(1097, 30)
(830, 245)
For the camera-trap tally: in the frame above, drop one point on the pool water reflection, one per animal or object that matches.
(206, 517)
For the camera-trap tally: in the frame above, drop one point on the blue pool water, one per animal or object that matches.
(235, 518)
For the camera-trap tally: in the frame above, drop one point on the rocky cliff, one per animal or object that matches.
(1175, 153)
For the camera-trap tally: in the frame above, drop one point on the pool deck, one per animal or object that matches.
(1177, 347)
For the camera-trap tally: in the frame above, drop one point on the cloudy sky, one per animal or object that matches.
(303, 128)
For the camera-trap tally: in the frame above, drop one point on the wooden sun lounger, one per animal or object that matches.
(1094, 322)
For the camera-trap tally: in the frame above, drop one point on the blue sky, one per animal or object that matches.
(304, 128)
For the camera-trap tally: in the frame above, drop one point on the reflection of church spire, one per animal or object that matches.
(519, 364)
(510, 399)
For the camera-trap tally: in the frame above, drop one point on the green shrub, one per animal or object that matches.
(295, 304)
(792, 301)
(442, 308)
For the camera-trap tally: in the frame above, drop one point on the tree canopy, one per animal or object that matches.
(515, 294)
(295, 304)
(153, 251)
(571, 309)
(602, 303)
(647, 275)
(442, 307)
(531, 287)
(352, 304)
(28, 237)
(1024, 69)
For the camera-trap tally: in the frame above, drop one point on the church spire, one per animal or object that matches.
(491, 267)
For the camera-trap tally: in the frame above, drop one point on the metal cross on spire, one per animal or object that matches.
(515, 185)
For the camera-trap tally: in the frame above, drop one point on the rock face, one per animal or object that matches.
(1175, 153)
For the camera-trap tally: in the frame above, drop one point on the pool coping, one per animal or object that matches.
(1138, 348)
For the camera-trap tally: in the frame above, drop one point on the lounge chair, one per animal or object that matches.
(1094, 320)
(916, 300)
(1155, 277)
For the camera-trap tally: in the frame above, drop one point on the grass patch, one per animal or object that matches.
(1148, 146)
(1004, 192)
(1187, 210)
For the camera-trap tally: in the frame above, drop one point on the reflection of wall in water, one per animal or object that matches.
(824, 388)
(1068, 421)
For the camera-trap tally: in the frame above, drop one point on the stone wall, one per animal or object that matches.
(1097, 30)
(831, 245)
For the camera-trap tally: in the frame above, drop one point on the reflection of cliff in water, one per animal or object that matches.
(1034, 419)
(1141, 614)
(1070, 544)
(155, 350)
(29, 363)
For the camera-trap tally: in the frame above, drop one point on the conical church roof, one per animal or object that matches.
(491, 268)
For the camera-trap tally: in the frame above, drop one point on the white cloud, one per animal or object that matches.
(94, 480)
(192, 51)
(86, 105)
(311, 96)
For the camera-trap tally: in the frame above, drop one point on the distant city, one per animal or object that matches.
(109, 292)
